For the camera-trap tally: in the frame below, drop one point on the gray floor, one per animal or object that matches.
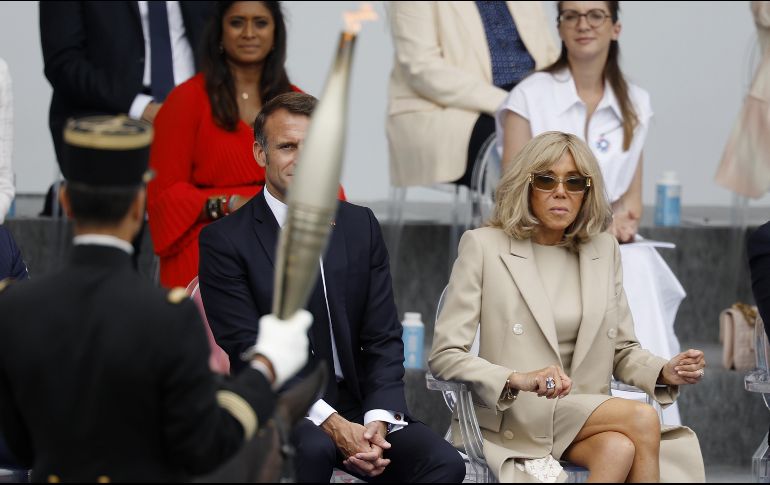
(728, 474)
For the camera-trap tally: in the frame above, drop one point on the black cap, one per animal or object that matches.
(107, 151)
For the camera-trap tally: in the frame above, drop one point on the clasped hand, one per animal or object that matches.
(362, 446)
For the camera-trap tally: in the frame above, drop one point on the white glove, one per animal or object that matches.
(284, 343)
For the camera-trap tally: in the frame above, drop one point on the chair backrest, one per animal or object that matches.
(487, 171)
(219, 362)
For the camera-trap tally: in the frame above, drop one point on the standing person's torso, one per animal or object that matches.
(85, 353)
(550, 102)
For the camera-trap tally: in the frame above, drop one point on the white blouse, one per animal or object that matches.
(550, 102)
(6, 141)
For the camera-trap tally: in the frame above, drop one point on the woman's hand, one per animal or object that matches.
(537, 382)
(624, 226)
(685, 368)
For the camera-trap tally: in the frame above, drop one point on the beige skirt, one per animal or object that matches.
(570, 414)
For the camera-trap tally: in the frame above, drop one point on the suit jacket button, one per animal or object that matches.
(508, 434)
(612, 333)
(398, 417)
(518, 329)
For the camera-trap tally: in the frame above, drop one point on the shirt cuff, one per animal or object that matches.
(319, 412)
(140, 103)
(392, 417)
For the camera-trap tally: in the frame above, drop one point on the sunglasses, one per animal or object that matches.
(548, 183)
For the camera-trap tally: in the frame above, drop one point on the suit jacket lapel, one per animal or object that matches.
(266, 227)
(593, 286)
(335, 271)
(521, 264)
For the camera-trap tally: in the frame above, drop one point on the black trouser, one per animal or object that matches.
(484, 127)
(417, 454)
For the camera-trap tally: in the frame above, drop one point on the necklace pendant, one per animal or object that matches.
(245, 95)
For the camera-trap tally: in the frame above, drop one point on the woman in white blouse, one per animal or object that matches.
(585, 93)
(6, 141)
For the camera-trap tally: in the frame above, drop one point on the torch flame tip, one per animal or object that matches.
(354, 19)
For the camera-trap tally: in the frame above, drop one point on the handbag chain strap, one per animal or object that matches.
(749, 312)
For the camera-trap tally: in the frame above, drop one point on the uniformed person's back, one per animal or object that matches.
(102, 375)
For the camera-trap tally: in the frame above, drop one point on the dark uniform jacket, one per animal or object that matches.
(236, 277)
(104, 375)
(11, 263)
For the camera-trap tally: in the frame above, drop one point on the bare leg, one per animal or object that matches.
(608, 456)
(638, 422)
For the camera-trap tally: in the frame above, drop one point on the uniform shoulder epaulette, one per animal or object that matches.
(177, 295)
(5, 283)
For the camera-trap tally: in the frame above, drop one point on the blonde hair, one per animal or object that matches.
(513, 213)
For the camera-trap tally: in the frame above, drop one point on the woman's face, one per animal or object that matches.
(583, 31)
(248, 32)
(556, 209)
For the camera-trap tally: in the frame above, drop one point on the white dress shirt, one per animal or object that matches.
(550, 102)
(7, 190)
(103, 240)
(181, 53)
(321, 410)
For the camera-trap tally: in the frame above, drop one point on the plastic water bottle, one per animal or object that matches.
(668, 200)
(413, 336)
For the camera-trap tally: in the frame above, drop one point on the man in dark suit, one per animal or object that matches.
(758, 247)
(361, 422)
(104, 377)
(103, 57)
(11, 264)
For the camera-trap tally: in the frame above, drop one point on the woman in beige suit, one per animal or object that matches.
(454, 64)
(543, 285)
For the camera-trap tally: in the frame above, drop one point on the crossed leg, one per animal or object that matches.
(619, 442)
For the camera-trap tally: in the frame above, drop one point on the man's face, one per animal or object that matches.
(285, 133)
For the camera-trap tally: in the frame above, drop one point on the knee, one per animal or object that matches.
(616, 448)
(443, 464)
(644, 424)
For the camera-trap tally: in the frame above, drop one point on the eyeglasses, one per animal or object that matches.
(548, 183)
(594, 17)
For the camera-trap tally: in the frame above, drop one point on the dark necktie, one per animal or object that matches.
(161, 63)
(322, 340)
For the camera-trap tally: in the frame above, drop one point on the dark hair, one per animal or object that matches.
(294, 103)
(220, 85)
(612, 73)
(100, 206)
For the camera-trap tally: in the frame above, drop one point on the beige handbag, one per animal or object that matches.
(736, 333)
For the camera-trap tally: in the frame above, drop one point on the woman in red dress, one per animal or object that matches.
(202, 152)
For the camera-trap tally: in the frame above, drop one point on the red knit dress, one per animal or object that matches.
(193, 159)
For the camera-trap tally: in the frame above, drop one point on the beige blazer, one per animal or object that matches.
(442, 79)
(495, 287)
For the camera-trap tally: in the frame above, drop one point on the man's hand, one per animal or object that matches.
(361, 456)
(151, 111)
(372, 463)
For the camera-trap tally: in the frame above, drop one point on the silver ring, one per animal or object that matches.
(550, 383)
(702, 373)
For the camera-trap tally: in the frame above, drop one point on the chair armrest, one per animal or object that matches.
(459, 400)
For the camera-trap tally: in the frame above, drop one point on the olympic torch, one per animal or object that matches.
(312, 198)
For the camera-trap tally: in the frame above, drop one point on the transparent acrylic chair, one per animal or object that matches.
(487, 171)
(759, 381)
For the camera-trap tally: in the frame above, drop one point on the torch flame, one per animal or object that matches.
(353, 20)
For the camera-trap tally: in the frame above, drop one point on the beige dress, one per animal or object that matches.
(560, 274)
